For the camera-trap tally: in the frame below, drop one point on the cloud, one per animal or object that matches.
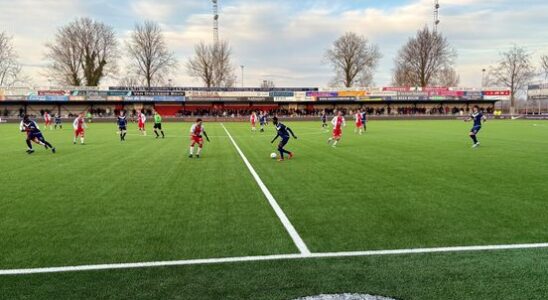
(285, 40)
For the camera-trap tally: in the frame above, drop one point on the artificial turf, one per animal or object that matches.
(403, 184)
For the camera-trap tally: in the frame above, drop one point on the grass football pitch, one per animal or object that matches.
(402, 185)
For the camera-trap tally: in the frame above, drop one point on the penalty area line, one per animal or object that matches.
(207, 261)
(275, 206)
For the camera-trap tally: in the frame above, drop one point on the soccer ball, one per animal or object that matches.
(273, 155)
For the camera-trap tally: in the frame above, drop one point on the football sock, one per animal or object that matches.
(162, 133)
(156, 133)
(191, 150)
(29, 144)
(474, 138)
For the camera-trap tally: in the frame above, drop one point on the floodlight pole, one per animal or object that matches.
(242, 67)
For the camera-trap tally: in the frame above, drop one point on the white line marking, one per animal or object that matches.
(279, 212)
(268, 258)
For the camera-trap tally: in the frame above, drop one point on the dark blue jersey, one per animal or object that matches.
(57, 120)
(477, 117)
(364, 117)
(324, 118)
(283, 131)
(30, 127)
(262, 119)
(121, 121)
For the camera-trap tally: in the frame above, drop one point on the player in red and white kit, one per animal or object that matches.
(196, 132)
(338, 123)
(359, 122)
(79, 125)
(47, 121)
(253, 120)
(141, 119)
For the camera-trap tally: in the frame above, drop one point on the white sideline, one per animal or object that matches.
(266, 258)
(277, 209)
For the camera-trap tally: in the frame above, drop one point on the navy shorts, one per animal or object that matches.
(37, 136)
(122, 128)
(283, 142)
(475, 129)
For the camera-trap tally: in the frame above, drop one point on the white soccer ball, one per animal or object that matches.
(273, 155)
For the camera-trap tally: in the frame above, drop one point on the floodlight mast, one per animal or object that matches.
(436, 15)
(215, 21)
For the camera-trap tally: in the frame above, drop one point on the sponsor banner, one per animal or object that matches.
(157, 93)
(47, 98)
(282, 94)
(244, 94)
(383, 94)
(16, 98)
(371, 98)
(438, 98)
(537, 93)
(53, 93)
(169, 98)
(351, 93)
(139, 98)
(202, 94)
(230, 99)
(446, 93)
(285, 99)
(322, 94)
(96, 98)
(119, 93)
(472, 95)
(115, 98)
(336, 98)
(300, 96)
(435, 90)
(396, 89)
(77, 98)
(497, 93)
(412, 96)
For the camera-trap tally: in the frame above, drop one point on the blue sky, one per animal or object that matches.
(285, 41)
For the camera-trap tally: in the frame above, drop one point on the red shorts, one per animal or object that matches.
(337, 133)
(196, 139)
(252, 123)
(48, 122)
(79, 132)
(359, 124)
(141, 125)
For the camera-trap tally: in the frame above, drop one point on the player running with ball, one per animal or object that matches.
(477, 117)
(196, 132)
(283, 132)
(34, 134)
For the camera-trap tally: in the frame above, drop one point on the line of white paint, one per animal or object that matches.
(277, 209)
(268, 258)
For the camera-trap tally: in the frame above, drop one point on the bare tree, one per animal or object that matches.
(514, 71)
(150, 58)
(83, 52)
(544, 66)
(447, 77)
(10, 68)
(353, 60)
(211, 63)
(424, 60)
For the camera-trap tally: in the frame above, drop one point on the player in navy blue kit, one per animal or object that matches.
(122, 126)
(324, 120)
(283, 133)
(262, 121)
(478, 118)
(34, 134)
(364, 120)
